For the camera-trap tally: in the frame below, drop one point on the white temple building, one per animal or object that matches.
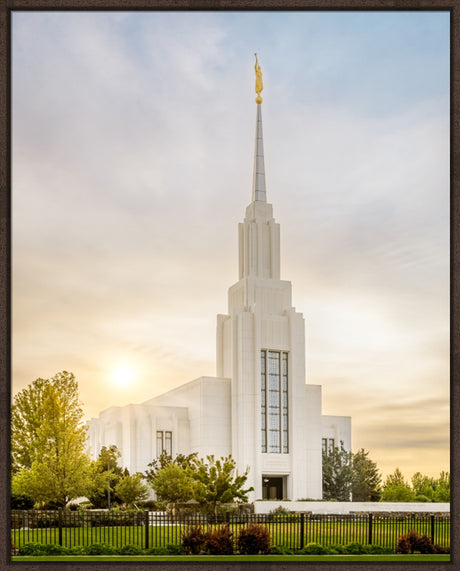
(259, 407)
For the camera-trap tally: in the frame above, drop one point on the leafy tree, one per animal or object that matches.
(396, 489)
(366, 479)
(395, 478)
(131, 489)
(26, 420)
(48, 441)
(105, 475)
(442, 488)
(220, 482)
(187, 477)
(172, 484)
(21, 502)
(423, 487)
(397, 493)
(337, 474)
(165, 460)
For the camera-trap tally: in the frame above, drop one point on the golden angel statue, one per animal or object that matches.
(259, 84)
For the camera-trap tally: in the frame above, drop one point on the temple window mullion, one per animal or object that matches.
(274, 402)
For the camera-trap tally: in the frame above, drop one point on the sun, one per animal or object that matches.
(123, 376)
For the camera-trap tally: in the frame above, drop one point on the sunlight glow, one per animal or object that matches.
(123, 376)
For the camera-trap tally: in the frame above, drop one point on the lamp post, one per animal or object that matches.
(266, 482)
(108, 486)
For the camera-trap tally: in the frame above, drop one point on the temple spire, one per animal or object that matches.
(258, 186)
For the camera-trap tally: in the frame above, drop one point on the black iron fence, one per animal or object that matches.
(156, 529)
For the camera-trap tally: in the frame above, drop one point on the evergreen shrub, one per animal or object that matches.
(313, 549)
(378, 550)
(130, 550)
(31, 549)
(99, 549)
(280, 550)
(174, 549)
(354, 549)
(336, 549)
(157, 551)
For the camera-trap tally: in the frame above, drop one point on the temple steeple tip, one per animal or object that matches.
(259, 83)
(258, 186)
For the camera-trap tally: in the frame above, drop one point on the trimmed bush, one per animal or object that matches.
(193, 540)
(254, 539)
(99, 549)
(378, 550)
(336, 549)
(31, 549)
(157, 551)
(313, 549)
(279, 550)
(43, 549)
(174, 549)
(78, 550)
(354, 549)
(219, 541)
(51, 549)
(130, 550)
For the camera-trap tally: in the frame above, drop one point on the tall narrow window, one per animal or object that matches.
(168, 443)
(274, 401)
(263, 394)
(164, 442)
(159, 442)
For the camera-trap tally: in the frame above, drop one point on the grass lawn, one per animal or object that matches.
(241, 558)
(288, 534)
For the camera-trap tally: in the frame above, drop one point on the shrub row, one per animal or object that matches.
(317, 549)
(37, 549)
(251, 540)
(37, 519)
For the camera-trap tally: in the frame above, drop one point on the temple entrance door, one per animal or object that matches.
(272, 488)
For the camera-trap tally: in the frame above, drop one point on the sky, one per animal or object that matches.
(132, 156)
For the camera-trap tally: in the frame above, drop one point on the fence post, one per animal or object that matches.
(432, 528)
(146, 529)
(302, 530)
(370, 529)
(60, 526)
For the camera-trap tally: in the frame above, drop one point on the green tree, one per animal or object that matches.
(442, 488)
(26, 420)
(423, 487)
(188, 477)
(366, 479)
(219, 481)
(337, 474)
(131, 489)
(165, 460)
(173, 483)
(53, 466)
(396, 489)
(105, 475)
